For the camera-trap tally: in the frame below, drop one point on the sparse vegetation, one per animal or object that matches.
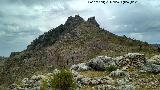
(111, 68)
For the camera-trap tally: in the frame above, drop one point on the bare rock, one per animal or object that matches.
(80, 67)
(131, 60)
(119, 73)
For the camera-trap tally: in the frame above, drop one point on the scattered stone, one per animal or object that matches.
(56, 71)
(123, 81)
(105, 87)
(75, 73)
(127, 87)
(80, 67)
(85, 81)
(119, 73)
(94, 81)
(13, 86)
(25, 80)
(32, 83)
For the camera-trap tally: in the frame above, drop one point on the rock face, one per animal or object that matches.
(93, 21)
(131, 60)
(73, 21)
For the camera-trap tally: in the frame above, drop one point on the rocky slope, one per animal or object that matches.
(74, 42)
(2, 61)
(95, 75)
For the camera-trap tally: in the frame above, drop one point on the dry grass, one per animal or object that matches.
(87, 88)
(93, 73)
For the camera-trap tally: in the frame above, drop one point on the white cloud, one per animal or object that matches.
(138, 36)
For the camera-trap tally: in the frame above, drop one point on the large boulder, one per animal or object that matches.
(131, 60)
(100, 63)
(97, 64)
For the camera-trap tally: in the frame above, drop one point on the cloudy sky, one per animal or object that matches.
(21, 21)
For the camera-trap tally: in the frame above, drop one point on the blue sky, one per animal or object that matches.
(21, 21)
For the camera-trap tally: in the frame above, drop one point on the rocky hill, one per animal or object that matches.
(74, 42)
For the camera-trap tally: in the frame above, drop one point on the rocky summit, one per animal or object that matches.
(81, 45)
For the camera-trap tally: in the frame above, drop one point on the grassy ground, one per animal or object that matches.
(92, 74)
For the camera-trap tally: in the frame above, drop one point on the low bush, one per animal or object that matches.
(63, 81)
(111, 68)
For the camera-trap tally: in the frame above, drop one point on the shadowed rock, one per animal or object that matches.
(93, 21)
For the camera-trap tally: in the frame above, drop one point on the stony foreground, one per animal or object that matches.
(129, 72)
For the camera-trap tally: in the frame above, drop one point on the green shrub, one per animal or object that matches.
(63, 81)
(111, 68)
